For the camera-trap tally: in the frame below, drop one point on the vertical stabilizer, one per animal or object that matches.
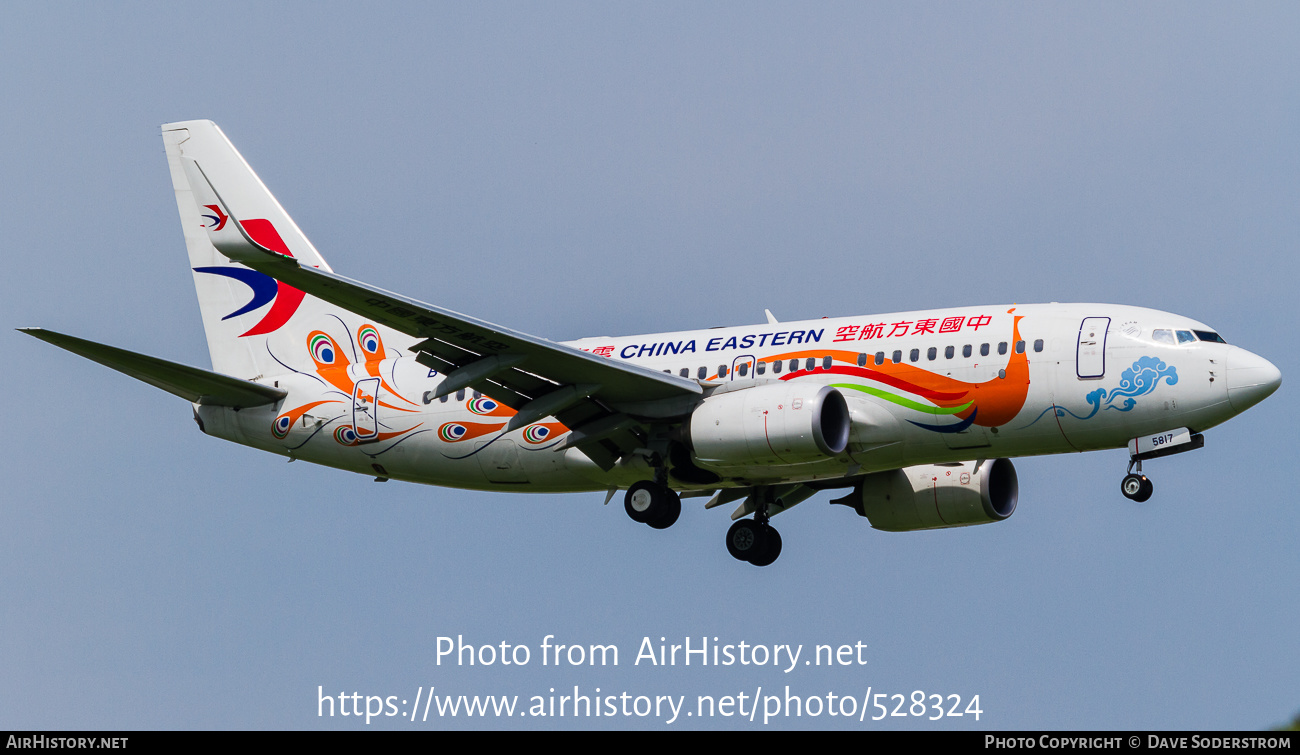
(249, 318)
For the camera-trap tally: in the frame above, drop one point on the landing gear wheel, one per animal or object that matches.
(669, 510)
(746, 539)
(771, 549)
(639, 502)
(1137, 487)
(653, 504)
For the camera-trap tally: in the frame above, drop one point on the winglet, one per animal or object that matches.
(242, 241)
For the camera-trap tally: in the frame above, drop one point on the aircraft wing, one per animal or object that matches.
(190, 383)
(532, 375)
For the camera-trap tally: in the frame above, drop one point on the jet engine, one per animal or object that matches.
(780, 423)
(934, 496)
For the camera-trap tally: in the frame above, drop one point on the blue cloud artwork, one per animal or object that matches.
(1138, 380)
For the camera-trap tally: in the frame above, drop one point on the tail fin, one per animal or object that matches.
(240, 329)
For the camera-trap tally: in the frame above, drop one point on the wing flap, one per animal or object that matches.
(190, 383)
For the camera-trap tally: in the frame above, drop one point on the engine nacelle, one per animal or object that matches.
(780, 423)
(933, 496)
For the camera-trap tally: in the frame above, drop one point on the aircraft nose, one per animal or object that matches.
(1251, 379)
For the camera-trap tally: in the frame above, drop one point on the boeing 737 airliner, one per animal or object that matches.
(912, 415)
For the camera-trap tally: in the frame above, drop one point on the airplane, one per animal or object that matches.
(914, 416)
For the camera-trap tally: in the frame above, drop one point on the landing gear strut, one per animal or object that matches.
(755, 540)
(1136, 486)
(652, 503)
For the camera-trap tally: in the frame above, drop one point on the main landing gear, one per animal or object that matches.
(748, 540)
(652, 503)
(755, 540)
(1136, 486)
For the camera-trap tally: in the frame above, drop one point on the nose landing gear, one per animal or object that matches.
(1136, 486)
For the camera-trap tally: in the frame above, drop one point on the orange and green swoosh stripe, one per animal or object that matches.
(904, 402)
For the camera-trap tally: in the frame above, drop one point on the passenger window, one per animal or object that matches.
(862, 360)
(897, 357)
(722, 370)
(776, 366)
(443, 398)
(880, 357)
(965, 351)
(743, 369)
(984, 349)
(949, 352)
(1185, 336)
(932, 354)
(809, 364)
(794, 365)
(761, 368)
(1020, 347)
(826, 362)
(915, 355)
(686, 372)
(1002, 347)
(703, 372)
(1038, 345)
(460, 395)
(1162, 336)
(477, 394)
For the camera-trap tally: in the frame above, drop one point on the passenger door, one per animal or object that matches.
(1090, 360)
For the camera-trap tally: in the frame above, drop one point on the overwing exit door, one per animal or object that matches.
(742, 367)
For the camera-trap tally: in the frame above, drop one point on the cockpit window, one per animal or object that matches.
(1209, 335)
(1185, 336)
(1162, 336)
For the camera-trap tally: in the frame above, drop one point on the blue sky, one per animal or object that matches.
(584, 169)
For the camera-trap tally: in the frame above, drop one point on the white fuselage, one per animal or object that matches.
(922, 387)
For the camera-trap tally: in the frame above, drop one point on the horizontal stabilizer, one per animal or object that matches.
(190, 383)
